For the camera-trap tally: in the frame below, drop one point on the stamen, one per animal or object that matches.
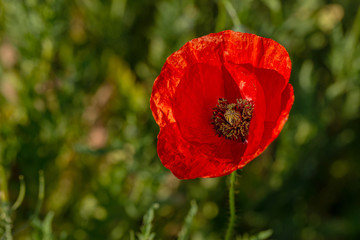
(232, 120)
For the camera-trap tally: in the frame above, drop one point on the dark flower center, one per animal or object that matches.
(232, 120)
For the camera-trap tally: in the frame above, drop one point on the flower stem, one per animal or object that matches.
(232, 207)
(3, 185)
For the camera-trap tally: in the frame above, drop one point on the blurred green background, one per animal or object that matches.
(75, 83)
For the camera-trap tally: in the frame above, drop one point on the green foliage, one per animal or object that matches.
(43, 229)
(75, 83)
(260, 236)
(146, 233)
(184, 232)
(21, 195)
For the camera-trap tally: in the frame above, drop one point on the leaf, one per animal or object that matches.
(184, 232)
(145, 233)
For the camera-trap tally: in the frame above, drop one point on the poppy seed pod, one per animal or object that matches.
(220, 100)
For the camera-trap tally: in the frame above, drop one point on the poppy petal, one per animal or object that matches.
(273, 129)
(250, 89)
(273, 84)
(195, 98)
(259, 52)
(185, 160)
(166, 83)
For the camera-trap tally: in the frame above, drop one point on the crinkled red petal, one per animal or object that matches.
(195, 98)
(273, 129)
(259, 52)
(185, 160)
(273, 84)
(165, 84)
(250, 89)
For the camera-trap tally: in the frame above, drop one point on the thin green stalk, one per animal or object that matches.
(232, 207)
(41, 194)
(221, 17)
(21, 195)
(184, 232)
(3, 185)
(232, 13)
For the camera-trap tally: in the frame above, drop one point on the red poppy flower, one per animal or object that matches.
(220, 101)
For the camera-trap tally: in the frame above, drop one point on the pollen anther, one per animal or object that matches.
(232, 120)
